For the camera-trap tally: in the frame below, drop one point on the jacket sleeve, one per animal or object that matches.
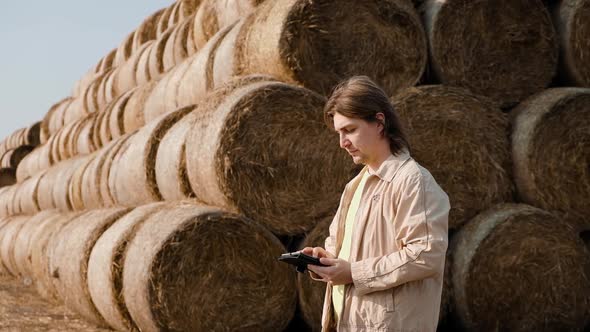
(421, 221)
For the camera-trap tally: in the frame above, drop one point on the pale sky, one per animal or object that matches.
(46, 46)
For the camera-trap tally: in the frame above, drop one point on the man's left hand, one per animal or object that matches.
(337, 272)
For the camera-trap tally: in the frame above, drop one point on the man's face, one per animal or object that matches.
(358, 137)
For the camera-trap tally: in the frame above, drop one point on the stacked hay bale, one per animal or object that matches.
(208, 103)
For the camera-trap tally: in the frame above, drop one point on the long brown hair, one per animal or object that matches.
(359, 97)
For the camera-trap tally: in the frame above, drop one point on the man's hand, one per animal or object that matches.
(337, 272)
(316, 252)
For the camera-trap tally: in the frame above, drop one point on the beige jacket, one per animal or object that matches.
(398, 250)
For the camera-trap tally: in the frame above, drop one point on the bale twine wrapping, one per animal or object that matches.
(463, 140)
(551, 150)
(156, 58)
(253, 152)
(105, 266)
(7, 177)
(311, 43)
(573, 29)
(176, 268)
(40, 245)
(519, 268)
(520, 54)
(22, 243)
(171, 172)
(124, 78)
(133, 171)
(311, 293)
(8, 235)
(133, 116)
(146, 31)
(70, 259)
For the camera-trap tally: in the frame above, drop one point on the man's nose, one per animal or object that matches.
(344, 142)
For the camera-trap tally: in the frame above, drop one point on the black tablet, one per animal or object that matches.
(300, 260)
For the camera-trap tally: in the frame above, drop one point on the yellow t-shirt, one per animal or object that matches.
(338, 290)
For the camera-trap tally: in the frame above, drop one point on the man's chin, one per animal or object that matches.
(358, 160)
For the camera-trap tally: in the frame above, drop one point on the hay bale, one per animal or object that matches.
(70, 259)
(519, 268)
(83, 141)
(75, 111)
(176, 270)
(163, 21)
(463, 140)
(223, 61)
(133, 116)
(18, 154)
(105, 266)
(55, 116)
(113, 126)
(311, 43)
(8, 235)
(571, 22)
(174, 18)
(132, 179)
(124, 77)
(189, 7)
(168, 59)
(181, 50)
(156, 55)
(39, 249)
(75, 201)
(51, 183)
(46, 129)
(252, 152)
(33, 134)
(7, 198)
(22, 243)
(124, 50)
(311, 293)
(102, 95)
(107, 62)
(551, 150)
(163, 98)
(142, 71)
(26, 195)
(520, 54)
(7, 177)
(171, 172)
(146, 31)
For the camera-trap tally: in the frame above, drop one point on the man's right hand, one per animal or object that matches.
(316, 252)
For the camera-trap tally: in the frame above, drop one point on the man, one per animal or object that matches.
(387, 243)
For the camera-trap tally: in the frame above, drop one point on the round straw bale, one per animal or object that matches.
(223, 62)
(19, 154)
(8, 235)
(105, 173)
(124, 50)
(27, 194)
(101, 91)
(189, 7)
(551, 150)
(39, 258)
(3, 222)
(7, 202)
(174, 18)
(33, 134)
(180, 260)
(22, 243)
(124, 76)
(311, 293)
(7, 177)
(107, 62)
(463, 140)
(50, 182)
(56, 119)
(198, 77)
(65, 135)
(74, 111)
(105, 266)
(142, 70)
(171, 173)
(69, 259)
(83, 141)
(47, 122)
(163, 21)
(181, 51)
(133, 115)
(573, 28)
(134, 180)
(113, 125)
(92, 102)
(168, 59)
(252, 153)
(75, 185)
(5, 159)
(518, 58)
(519, 268)
(146, 31)
(163, 98)
(156, 56)
(311, 43)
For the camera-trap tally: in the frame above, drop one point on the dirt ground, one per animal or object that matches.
(21, 309)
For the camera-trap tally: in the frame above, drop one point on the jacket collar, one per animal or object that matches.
(391, 165)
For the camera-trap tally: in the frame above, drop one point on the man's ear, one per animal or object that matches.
(380, 120)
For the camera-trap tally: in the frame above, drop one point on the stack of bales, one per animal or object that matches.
(14, 148)
(219, 104)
